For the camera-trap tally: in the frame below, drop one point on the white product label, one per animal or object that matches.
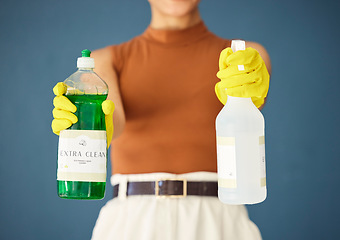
(82, 156)
(226, 162)
(262, 161)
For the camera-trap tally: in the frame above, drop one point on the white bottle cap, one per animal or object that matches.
(237, 45)
(85, 61)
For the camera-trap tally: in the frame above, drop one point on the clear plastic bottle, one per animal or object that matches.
(82, 153)
(240, 150)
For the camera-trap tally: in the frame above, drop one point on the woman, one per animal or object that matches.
(162, 84)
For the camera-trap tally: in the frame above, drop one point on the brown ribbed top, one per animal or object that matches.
(167, 80)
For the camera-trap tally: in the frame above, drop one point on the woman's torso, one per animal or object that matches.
(167, 81)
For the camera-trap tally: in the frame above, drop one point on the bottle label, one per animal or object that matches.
(82, 156)
(226, 162)
(262, 161)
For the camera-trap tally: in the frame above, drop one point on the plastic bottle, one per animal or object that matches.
(240, 150)
(82, 153)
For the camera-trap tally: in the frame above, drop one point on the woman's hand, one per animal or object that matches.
(64, 109)
(242, 74)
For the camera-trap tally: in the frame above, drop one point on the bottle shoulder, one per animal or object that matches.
(230, 121)
(234, 112)
(87, 82)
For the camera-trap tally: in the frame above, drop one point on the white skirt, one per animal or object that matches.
(146, 217)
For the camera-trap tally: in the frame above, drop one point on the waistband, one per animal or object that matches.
(193, 176)
(196, 181)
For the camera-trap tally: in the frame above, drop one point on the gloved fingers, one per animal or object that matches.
(109, 128)
(247, 57)
(223, 58)
(62, 102)
(60, 88)
(258, 102)
(233, 80)
(60, 124)
(244, 91)
(62, 114)
(221, 93)
(239, 91)
(235, 69)
(236, 81)
(259, 88)
(235, 75)
(108, 107)
(62, 111)
(247, 90)
(259, 74)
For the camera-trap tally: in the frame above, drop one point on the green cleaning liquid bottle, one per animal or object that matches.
(82, 153)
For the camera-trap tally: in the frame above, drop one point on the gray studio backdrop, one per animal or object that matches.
(40, 41)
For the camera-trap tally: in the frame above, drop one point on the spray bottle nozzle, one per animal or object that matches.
(237, 45)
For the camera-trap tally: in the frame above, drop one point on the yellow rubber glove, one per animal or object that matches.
(108, 108)
(64, 109)
(251, 80)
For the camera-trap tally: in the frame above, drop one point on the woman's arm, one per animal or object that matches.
(104, 68)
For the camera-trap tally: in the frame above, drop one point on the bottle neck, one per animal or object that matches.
(238, 101)
(230, 98)
(85, 69)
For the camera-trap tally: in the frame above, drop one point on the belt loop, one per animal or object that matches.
(122, 188)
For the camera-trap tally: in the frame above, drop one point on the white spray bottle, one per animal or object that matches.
(240, 149)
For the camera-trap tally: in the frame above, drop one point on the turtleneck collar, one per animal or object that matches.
(176, 37)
